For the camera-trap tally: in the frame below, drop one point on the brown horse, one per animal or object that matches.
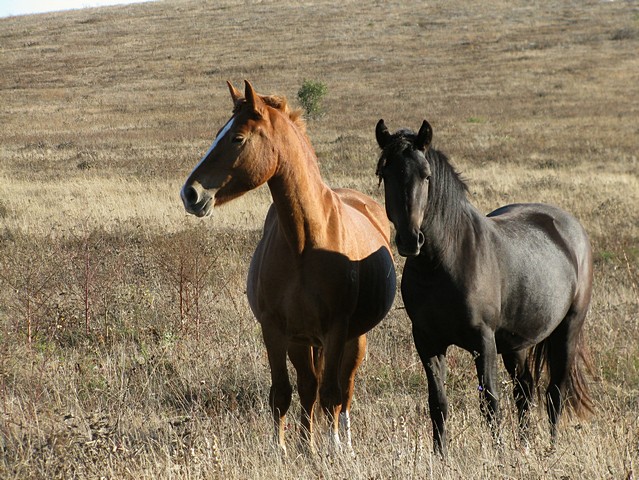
(321, 276)
(516, 282)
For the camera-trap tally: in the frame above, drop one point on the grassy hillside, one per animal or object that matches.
(127, 348)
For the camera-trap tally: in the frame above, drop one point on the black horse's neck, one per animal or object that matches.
(449, 214)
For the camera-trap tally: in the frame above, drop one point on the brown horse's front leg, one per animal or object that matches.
(331, 389)
(281, 391)
(302, 357)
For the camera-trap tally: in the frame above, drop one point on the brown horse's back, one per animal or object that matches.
(367, 207)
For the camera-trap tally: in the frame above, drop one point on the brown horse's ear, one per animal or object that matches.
(382, 134)
(424, 137)
(252, 98)
(235, 93)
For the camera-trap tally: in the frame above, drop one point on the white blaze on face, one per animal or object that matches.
(220, 136)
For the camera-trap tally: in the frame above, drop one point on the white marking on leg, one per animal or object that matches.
(333, 441)
(277, 438)
(345, 427)
(334, 444)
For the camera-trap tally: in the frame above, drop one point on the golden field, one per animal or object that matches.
(127, 348)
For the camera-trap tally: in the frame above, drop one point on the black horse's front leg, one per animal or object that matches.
(437, 401)
(435, 366)
(486, 364)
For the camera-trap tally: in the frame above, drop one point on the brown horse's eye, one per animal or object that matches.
(238, 139)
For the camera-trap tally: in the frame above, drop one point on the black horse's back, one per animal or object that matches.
(544, 254)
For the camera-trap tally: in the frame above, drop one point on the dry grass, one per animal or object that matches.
(127, 349)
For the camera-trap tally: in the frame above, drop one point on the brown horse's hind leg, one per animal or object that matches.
(302, 358)
(353, 356)
(281, 390)
(519, 369)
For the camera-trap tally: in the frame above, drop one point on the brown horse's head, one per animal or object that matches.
(242, 156)
(405, 171)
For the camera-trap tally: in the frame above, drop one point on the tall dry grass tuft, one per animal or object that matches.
(27, 274)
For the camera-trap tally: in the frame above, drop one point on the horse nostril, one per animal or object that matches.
(420, 239)
(189, 194)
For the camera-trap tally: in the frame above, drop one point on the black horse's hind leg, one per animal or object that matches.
(517, 365)
(435, 367)
(486, 364)
(561, 351)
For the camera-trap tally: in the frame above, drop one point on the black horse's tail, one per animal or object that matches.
(576, 391)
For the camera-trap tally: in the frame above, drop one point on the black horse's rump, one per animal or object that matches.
(516, 282)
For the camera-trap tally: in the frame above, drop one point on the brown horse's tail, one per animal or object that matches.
(576, 393)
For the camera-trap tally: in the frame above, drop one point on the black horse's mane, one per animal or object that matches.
(447, 199)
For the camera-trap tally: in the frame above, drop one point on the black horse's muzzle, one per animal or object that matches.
(409, 245)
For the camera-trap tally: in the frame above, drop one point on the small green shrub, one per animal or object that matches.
(474, 120)
(310, 96)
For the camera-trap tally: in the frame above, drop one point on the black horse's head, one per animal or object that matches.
(405, 171)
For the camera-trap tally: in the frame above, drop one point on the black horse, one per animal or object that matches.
(516, 282)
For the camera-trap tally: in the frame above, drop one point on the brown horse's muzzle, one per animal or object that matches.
(197, 201)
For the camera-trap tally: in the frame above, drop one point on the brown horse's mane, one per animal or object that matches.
(281, 103)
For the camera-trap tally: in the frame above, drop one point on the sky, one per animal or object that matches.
(22, 7)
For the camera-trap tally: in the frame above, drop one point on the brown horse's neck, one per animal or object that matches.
(303, 201)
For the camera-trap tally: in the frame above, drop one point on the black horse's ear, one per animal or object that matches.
(382, 134)
(424, 137)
